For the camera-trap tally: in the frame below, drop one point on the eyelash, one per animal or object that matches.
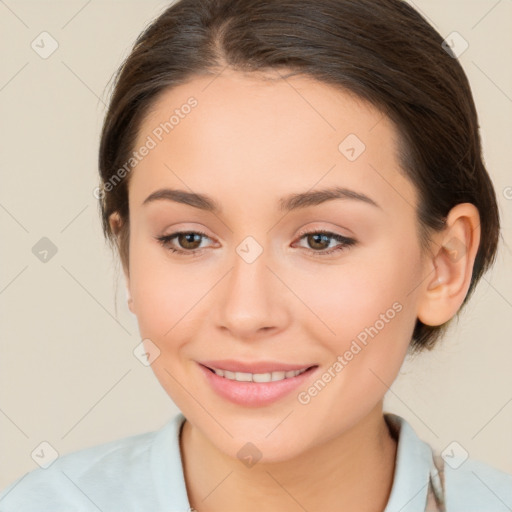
(344, 241)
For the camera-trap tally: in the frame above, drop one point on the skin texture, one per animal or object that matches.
(248, 143)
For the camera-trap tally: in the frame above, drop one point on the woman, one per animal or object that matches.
(298, 198)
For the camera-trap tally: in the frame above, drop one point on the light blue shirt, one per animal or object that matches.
(145, 473)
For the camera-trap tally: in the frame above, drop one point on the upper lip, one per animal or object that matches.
(253, 367)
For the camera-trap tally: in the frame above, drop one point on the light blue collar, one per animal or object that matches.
(412, 469)
(167, 466)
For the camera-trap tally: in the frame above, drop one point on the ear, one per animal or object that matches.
(450, 265)
(115, 225)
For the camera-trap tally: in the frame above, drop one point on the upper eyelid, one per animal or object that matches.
(301, 232)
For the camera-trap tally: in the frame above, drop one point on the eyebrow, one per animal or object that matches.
(291, 202)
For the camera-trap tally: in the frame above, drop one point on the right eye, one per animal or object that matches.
(185, 238)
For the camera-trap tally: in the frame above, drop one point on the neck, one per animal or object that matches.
(351, 472)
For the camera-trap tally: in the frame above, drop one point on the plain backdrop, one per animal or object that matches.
(68, 375)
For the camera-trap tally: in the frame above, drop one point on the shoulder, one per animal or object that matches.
(474, 486)
(470, 485)
(84, 479)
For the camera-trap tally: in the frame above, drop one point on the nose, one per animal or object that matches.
(252, 300)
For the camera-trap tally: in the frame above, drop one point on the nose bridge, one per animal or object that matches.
(251, 298)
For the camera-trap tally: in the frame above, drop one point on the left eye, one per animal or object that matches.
(188, 241)
(317, 238)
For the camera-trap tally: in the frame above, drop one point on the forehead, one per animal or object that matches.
(241, 133)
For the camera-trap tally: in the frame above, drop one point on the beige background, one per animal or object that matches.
(68, 375)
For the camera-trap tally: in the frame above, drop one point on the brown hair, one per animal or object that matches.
(383, 51)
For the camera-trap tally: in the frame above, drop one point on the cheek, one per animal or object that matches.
(368, 314)
(171, 296)
(159, 289)
(369, 293)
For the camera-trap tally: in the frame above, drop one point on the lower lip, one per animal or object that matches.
(254, 394)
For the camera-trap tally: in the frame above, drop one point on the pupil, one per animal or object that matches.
(316, 236)
(189, 238)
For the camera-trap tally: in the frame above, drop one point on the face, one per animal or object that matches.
(328, 282)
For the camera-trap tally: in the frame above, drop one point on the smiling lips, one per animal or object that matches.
(254, 384)
(257, 377)
(263, 371)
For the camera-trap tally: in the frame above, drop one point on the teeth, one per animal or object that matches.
(257, 377)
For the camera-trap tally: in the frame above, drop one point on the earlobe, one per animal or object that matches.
(115, 226)
(115, 222)
(451, 265)
(129, 300)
